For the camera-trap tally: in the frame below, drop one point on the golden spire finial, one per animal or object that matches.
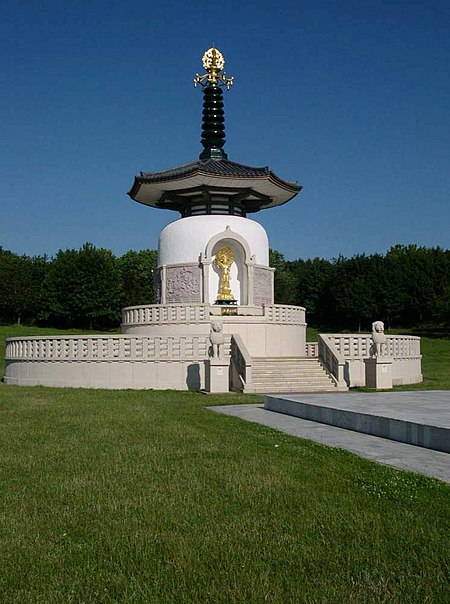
(213, 62)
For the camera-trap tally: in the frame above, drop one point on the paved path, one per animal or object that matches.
(391, 453)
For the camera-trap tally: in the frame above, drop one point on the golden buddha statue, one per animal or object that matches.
(224, 259)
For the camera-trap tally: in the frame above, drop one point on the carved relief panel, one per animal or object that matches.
(262, 286)
(183, 284)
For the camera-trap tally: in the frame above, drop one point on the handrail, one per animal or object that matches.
(241, 362)
(331, 359)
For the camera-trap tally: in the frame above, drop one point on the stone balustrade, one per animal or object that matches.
(153, 314)
(164, 313)
(268, 330)
(282, 313)
(344, 354)
(312, 349)
(109, 347)
(110, 361)
(358, 345)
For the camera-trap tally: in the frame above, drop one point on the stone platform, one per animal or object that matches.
(415, 418)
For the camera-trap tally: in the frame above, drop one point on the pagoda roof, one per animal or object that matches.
(263, 188)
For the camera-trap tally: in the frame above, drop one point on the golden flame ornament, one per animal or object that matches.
(213, 62)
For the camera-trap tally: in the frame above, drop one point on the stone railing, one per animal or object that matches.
(109, 347)
(110, 361)
(281, 313)
(241, 365)
(344, 354)
(358, 345)
(331, 358)
(401, 347)
(312, 349)
(164, 313)
(154, 314)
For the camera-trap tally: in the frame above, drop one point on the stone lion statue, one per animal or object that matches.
(217, 339)
(378, 347)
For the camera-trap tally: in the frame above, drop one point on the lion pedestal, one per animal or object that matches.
(217, 375)
(379, 372)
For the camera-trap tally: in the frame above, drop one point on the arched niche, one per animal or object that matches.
(239, 282)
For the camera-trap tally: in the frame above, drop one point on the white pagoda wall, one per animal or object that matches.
(184, 240)
(186, 252)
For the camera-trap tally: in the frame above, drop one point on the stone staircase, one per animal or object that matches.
(290, 374)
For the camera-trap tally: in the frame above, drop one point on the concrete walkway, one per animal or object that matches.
(389, 452)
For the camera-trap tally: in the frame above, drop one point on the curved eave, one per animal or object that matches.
(148, 192)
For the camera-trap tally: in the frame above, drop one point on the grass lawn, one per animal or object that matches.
(435, 365)
(149, 497)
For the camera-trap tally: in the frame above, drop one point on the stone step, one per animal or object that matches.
(282, 359)
(285, 361)
(285, 364)
(264, 388)
(270, 371)
(286, 376)
(293, 384)
(294, 365)
(280, 367)
(290, 374)
(286, 389)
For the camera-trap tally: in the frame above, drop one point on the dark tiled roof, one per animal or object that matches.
(210, 166)
(222, 167)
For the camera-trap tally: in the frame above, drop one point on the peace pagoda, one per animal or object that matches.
(215, 325)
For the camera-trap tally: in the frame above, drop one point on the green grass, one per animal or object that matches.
(435, 365)
(149, 497)
(311, 334)
(112, 496)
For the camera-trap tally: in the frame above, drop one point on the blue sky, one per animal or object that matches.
(351, 99)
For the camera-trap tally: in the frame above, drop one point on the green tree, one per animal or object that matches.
(137, 277)
(284, 279)
(443, 308)
(21, 279)
(82, 289)
(420, 276)
(312, 277)
(350, 295)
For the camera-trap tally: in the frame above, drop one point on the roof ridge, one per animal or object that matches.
(216, 167)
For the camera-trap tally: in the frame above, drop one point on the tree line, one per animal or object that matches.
(409, 286)
(84, 288)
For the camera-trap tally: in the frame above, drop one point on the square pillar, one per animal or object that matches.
(217, 375)
(379, 372)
